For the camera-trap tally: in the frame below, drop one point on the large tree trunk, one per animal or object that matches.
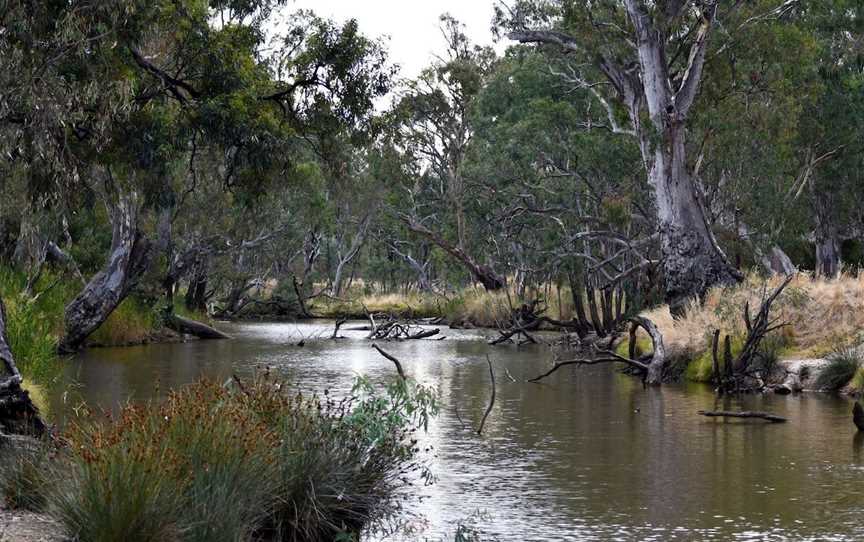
(18, 414)
(196, 293)
(692, 260)
(129, 259)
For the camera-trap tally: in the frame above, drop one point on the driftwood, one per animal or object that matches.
(390, 328)
(604, 356)
(650, 366)
(392, 358)
(491, 399)
(339, 323)
(773, 418)
(604, 318)
(736, 374)
(191, 327)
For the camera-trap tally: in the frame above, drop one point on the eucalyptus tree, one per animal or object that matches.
(559, 196)
(643, 62)
(434, 116)
(151, 86)
(832, 137)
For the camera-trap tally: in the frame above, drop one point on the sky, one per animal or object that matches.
(412, 25)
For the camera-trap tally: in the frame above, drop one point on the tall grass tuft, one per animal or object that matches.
(132, 322)
(25, 474)
(33, 325)
(245, 462)
(843, 364)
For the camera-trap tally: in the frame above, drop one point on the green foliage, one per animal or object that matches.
(235, 463)
(33, 326)
(643, 346)
(843, 365)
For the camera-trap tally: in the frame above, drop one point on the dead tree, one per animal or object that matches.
(649, 366)
(483, 274)
(18, 414)
(773, 418)
(744, 373)
(604, 318)
(389, 328)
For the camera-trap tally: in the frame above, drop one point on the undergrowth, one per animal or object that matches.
(240, 462)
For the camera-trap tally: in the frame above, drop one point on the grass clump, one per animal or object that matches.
(241, 462)
(24, 474)
(132, 322)
(843, 365)
(34, 324)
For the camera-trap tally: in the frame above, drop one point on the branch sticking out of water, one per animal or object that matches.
(392, 358)
(491, 399)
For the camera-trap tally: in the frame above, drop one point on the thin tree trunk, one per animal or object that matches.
(826, 236)
(130, 257)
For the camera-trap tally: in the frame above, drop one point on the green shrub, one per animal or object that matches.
(841, 368)
(213, 463)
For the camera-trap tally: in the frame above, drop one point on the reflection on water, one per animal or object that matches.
(587, 455)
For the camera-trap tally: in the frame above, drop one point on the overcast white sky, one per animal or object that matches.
(412, 25)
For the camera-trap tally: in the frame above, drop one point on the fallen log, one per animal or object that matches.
(773, 418)
(425, 334)
(191, 327)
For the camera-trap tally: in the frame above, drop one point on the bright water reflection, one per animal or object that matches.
(588, 455)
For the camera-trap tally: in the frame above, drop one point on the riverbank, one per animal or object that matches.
(823, 321)
(252, 459)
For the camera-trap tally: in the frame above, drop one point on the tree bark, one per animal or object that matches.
(692, 259)
(130, 257)
(18, 414)
(196, 292)
(356, 244)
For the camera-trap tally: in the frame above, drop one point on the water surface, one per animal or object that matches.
(587, 455)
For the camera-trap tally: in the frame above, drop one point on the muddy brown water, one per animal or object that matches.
(587, 455)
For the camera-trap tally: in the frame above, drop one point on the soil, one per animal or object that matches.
(22, 526)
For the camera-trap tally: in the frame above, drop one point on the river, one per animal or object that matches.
(586, 455)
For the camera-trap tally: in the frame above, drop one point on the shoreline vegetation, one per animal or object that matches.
(250, 460)
(820, 317)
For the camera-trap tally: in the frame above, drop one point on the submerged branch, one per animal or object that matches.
(392, 358)
(491, 399)
(773, 418)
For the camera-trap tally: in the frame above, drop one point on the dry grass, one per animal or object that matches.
(824, 315)
(473, 306)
